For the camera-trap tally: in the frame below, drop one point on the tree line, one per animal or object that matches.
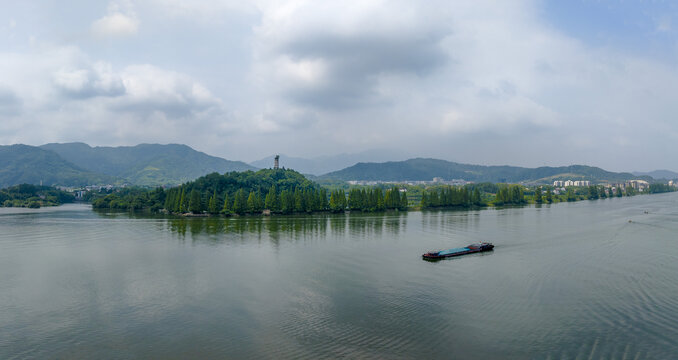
(279, 191)
(510, 195)
(33, 196)
(451, 196)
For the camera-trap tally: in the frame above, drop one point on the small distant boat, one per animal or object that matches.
(470, 249)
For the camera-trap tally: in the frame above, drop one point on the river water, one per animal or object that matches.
(584, 280)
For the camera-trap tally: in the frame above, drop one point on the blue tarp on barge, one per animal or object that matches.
(452, 251)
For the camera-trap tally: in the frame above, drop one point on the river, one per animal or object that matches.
(584, 280)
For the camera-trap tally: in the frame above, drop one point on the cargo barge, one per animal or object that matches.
(470, 249)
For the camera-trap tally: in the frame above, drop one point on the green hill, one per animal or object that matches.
(33, 196)
(246, 191)
(426, 169)
(24, 164)
(146, 164)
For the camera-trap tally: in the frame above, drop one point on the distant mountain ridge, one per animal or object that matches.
(421, 169)
(21, 164)
(146, 164)
(76, 164)
(659, 174)
(325, 164)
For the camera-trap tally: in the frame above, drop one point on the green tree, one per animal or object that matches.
(240, 202)
(272, 200)
(537, 195)
(593, 192)
(227, 205)
(570, 195)
(476, 199)
(251, 202)
(182, 201)
(337, 201)
(212, 207)
(195, 203)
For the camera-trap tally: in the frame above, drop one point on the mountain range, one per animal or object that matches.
(75, 164)
(21, 164)
(325, 164)
(659, 174)
(420, 169)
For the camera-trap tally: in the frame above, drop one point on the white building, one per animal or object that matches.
(639, 185)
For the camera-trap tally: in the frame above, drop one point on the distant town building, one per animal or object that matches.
(560, 183)
(671, 183)
(639, 185)
(276, 162)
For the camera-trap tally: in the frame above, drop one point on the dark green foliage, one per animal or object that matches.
(570, 195)
(338, 201)
(132, 199)
(510, 195)
(240, 202)
(227, 205)
(593, 192)
(254, 203)
(660, 188)
(394, 200)
(601, 192)
(549, 196)
(272, 201)
(451, 196)
(33, 196)
(212, 205)
(537, 195)
(195, 203)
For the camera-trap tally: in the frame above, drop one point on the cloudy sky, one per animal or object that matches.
(527, 83)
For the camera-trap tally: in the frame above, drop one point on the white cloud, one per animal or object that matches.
(116, 24)
(121, 20)
(61, 95)
(336, 75)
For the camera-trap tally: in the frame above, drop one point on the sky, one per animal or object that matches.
(521, 82)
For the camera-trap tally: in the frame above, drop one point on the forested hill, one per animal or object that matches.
(23, 164)
(426, 169)
(146, 164)
(238, 192)
(33, 196)
(659, 174)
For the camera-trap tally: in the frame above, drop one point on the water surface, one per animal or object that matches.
(591, 279)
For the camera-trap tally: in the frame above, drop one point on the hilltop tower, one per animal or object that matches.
(276, 164)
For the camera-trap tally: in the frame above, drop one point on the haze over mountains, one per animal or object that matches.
(77, 164)
(426, 169)
(659, 174)
(32, 165)
(324, 164)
